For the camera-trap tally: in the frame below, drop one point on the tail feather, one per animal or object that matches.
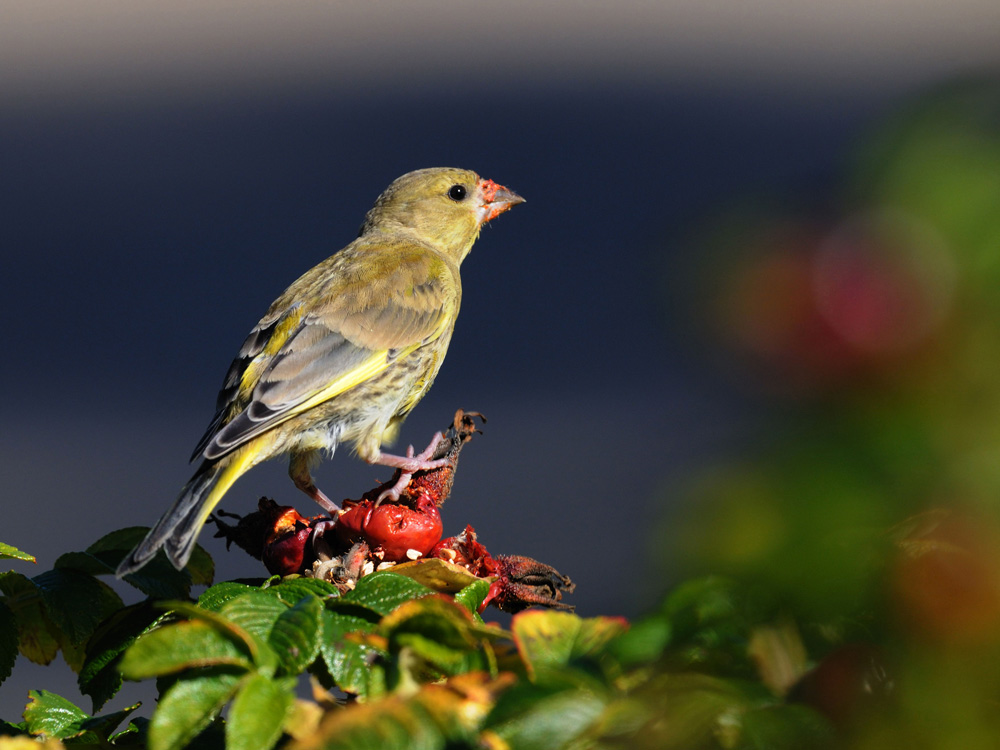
(178, 529)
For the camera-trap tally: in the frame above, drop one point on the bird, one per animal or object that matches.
(343, 354)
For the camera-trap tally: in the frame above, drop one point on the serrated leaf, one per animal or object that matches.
(84, 562)
(8, 552)
(8, 641)
(52, 715)
(295, 635)
(435, 617)
(263, 655)
(258, 712)
(255, 611)
(291, 590)
(187, 707)
(158, 579)
(382, 592)
(76, 602)
(179, 646)
(37, 637)
(437, 631)
(351, 664)
(99, 677)
(439, 575)
(471, 597)
(212, 599)
(548, 640)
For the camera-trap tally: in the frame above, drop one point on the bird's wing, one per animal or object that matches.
(350, 327)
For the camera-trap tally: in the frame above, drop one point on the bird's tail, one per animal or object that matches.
(178, 529)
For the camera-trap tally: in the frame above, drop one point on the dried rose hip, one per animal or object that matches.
(286, 546)
(367, 535)
(465, 550)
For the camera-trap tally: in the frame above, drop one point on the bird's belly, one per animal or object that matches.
(365, 414)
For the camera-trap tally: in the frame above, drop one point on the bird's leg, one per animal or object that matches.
(409, 464)
(298, 470)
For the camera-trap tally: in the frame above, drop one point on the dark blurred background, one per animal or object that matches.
(693, 268)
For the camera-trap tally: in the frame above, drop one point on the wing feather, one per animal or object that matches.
(345, 327)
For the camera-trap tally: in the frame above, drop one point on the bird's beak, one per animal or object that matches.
(494, 200)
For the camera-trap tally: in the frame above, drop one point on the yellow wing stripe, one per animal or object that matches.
(369, 369)
(247, 455)
(241, 461)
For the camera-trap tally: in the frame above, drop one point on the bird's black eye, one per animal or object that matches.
(457, 192)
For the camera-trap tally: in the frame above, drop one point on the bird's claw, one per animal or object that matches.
(408, 465)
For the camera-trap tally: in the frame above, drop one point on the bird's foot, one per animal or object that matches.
(298, 470)
(410, 464)
(326, 503)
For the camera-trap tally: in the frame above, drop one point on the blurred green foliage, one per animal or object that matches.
(867, 510)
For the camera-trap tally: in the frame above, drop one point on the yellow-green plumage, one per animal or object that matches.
(345, 353)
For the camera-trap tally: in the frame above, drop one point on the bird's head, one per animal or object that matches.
(443, 206)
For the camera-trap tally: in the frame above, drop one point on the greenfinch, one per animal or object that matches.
(344, 354)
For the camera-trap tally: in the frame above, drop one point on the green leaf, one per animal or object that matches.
(533, 718)
(187, 707)
(215, 597)
(390, 724)
(37, 637)
(83, 562)
(291, 590)
(99, 677)
(688, 709)
(787, 726)
(445, 658)
(262, 654)
(158, 579)
(76, 602)
(549, 640)
(100, 728)
(258, 712)
(382, 592)
(12, 730)
(435, 617)
(52, 715)
(353, 666)
(438, 575)
(8, 641)
(134, 734)
(644, 642)
(472, 596)
(438, 716)
(295, 635)
(710, 602)
(439, 633)
(200, 567)
(182, 645)
(255, 611)
(13, 553)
